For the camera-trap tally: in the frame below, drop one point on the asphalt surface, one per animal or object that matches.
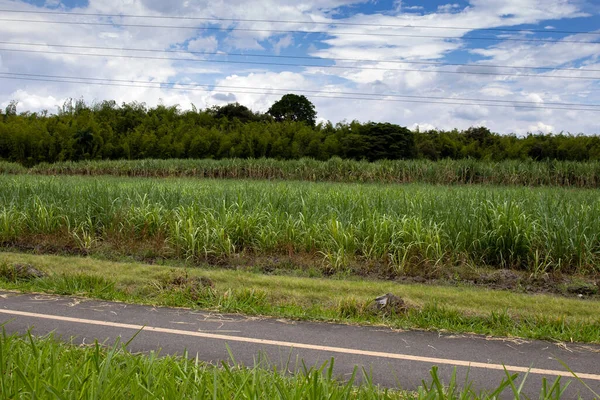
(394, 358)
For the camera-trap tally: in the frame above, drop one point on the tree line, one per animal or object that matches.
(107, 130)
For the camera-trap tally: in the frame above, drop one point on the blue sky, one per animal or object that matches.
(352, 53)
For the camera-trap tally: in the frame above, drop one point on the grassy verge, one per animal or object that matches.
(442, 308)
(32, 367)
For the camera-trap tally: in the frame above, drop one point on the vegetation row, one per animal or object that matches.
(44, 368)
(511, 172)
(393, 229)
(134, 131)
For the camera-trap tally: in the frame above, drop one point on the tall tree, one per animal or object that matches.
(293, 107)
(235, 110)
(388, 141)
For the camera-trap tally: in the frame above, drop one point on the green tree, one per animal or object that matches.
(293, 107)
(11, 108)
(388, 141)
(83, 143)
(235, 110)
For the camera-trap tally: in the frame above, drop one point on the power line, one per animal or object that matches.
(287, 90)
(316, 58)
(332, 22)
(281, 31)
(302, 65)
(158, 85)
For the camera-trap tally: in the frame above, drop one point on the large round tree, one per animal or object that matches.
(293, 107)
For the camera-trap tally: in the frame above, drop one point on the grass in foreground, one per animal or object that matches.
(442, 308)
(43, 367)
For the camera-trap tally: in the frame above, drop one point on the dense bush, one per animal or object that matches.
(134, 131)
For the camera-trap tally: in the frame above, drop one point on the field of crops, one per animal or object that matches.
(525, 173)
(393, 227)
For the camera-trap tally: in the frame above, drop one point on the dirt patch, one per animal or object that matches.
(502, 277)
(192, 281)
(20, 272)
(559, 284)
(582, 288)
(196, 287)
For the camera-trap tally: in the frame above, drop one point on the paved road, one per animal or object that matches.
(394, 357)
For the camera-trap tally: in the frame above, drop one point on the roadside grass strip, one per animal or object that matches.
(43, 367)
(431, 307)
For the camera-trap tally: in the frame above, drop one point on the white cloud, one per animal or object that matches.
(541, 127)
(496, 90)
(261, 99)
(473, 113)
(424, 126)
(413, 8)
(282, 43)
(32, 101)
(204, 44)
(447, 8)
(552, 54)
(387, 79)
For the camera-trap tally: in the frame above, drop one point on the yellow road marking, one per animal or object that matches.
(341, 350)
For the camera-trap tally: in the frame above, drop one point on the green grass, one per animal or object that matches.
(527, 173)
(389, 230)
(44, 368)
(441, 308)
(12, 168)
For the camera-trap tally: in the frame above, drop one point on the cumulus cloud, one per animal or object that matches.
(207, 44)
(225, 98)
(271, 86)
(282, 43)
(541, 127)
(473, 113)
(32, 101)
(413, 8)
(424, 126)
(376, 57)
(496, 90)
(447, 8)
